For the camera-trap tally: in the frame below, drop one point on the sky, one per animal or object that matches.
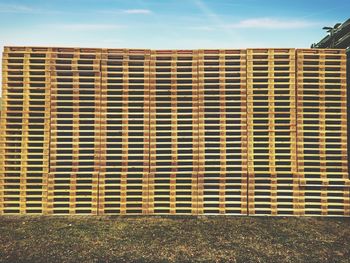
(168, 24)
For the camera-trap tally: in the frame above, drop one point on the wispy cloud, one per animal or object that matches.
(14, 8)
(258, 23)
(202, 28)
(211, 15)
(87, 27)
(126, 11)
(272, 23)
(137, 11)
(214, 20)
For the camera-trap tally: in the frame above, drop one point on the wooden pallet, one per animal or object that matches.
(324, 200)
(173, 132)
(271, 120)
(25, 120)
(322, 116)
(124, 161)
(222, 132)
(75, 131)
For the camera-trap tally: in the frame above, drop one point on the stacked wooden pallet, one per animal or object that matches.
(75, 131)
(322, 132)
(272, 169)
(173, 132)
(124, 167)
(122, 131)
(223, 132)
(24, 130)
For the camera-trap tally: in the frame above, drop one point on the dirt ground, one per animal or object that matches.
(165, 239)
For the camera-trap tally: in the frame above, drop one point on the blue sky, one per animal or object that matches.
(165, 24)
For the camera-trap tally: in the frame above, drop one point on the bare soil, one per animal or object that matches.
(174, 239)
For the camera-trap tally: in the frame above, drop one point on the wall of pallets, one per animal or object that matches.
(179, 132)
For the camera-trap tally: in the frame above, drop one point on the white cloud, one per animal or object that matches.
(137, 11)
(126, 11)
(7, 8)
(87, 27)
(271, 23)
(202, 28)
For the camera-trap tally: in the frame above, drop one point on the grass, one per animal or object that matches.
(166, 239)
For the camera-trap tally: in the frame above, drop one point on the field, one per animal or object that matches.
(174, 239)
